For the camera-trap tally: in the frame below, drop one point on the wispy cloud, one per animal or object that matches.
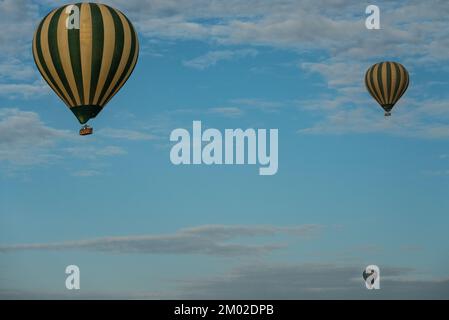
(273, 281)
(411, 118)
(24, 90)
(310, 24)
(416, 32)
(205, 240)
(25, 139)
(126, 134)
(18, 76)
(258, 104)
(85, 294)
(412, 30)
(336, 74)
(437, 173)
(350, 109)
(231, 112)
(14, 69)
(111, 151)
(19, 19)
(311, 281)
(93, 152)
(213, 57)
(86, 173)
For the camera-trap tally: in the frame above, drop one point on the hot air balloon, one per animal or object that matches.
(85, 52)
(387, 82)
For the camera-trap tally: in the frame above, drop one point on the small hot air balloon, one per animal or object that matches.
(85, 52)
(387, 82)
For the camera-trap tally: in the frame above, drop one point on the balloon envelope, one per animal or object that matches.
(85, 65)
(387, 82)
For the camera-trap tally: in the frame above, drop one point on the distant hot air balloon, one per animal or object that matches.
(85, 52)
(387, 82)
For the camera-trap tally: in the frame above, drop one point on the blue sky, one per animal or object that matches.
(353, 188)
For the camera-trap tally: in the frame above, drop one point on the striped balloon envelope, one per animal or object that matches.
(387, 82)
(85, 52)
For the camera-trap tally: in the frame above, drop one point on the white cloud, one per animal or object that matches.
(411, 118)
(440, 173)
(213, 57)
(24, 90)
(231, 112)
(258, 104)
(93, 152)
(410, 28)
(19, 20)
(111, 151)
(413, 30)
(18, 76)
(25, 139)
(337, 74)
(14, 69)
(86, 173)
(352, 110)
(126, 134)
(354, 121)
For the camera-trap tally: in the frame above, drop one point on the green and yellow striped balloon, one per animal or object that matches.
(85, 65)
(387, 82)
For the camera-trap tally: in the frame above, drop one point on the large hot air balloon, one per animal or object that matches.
(85, 52)
(387, 82)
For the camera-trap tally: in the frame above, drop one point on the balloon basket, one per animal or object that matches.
(387, 114)
(86, 130)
